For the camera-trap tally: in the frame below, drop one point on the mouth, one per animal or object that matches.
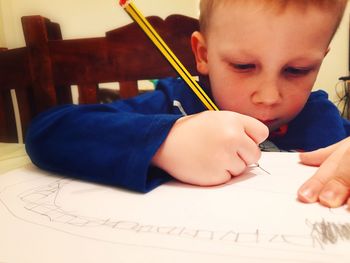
(272, 124)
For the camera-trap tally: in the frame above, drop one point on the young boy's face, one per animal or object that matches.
(262, 63)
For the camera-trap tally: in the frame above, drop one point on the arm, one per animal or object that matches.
(331, 183)
(107, 143)
(118, 143)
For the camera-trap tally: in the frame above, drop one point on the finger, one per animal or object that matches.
(312, 188)
(315, 158)
(334, 194)
(337, 190)
(236, 165)
(255, 129)
(248, 151)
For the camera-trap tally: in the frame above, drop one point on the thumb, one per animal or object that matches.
(316, 158)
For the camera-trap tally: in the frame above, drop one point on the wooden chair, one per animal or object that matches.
(48, 66)
(15, 85)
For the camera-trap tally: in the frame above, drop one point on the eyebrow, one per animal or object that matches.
(308, 61)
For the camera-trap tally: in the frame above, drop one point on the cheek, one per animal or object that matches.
(228, 96)
(228, 91)
(294, 104)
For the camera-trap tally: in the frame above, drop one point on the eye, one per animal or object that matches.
(293, 71)
(243, 67)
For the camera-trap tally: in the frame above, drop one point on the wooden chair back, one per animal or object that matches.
(45, 70)
(15, 86)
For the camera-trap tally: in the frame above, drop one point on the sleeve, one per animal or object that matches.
(105, 143)
(346, 124)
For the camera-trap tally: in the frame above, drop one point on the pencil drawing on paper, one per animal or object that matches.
(41, 201)
(50, 202)
(329, 232)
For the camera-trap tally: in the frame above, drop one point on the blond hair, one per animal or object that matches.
(334, 6)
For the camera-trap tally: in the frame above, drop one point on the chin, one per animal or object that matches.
(274, 126)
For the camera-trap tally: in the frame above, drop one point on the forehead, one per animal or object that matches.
(336, 6)
(261, 32)
(229, 17)
(277, 7)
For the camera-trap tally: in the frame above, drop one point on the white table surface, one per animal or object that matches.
(12, 156)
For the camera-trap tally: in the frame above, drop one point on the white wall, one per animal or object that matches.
(88, 18)
(83, 18)
(336, 62)
(2, 33)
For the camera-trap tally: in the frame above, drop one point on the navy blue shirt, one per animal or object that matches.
(114, 143)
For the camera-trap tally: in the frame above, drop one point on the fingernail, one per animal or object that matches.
(328, 197)
(308, 194)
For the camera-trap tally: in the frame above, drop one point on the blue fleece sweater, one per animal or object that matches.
(114, 143)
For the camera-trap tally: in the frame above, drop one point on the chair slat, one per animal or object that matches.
(87, 93)
(8, 132)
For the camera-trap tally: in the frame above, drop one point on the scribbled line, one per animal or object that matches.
(326, 232)
(257, 165)
(42, 201)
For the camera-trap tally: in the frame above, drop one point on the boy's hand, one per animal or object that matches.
(210, 147)
(331, 183)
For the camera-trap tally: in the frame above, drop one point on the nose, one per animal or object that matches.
(267, 92)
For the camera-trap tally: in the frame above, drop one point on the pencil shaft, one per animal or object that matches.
(146, 27)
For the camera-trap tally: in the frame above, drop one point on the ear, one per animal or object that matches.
(199, 49)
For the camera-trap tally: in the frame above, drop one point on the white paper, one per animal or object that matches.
(254, 218)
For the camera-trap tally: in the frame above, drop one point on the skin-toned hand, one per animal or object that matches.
(209, 148)
(330, 185)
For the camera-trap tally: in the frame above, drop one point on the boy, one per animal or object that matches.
(261, 59)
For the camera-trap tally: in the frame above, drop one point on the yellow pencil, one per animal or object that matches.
(146, 27)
